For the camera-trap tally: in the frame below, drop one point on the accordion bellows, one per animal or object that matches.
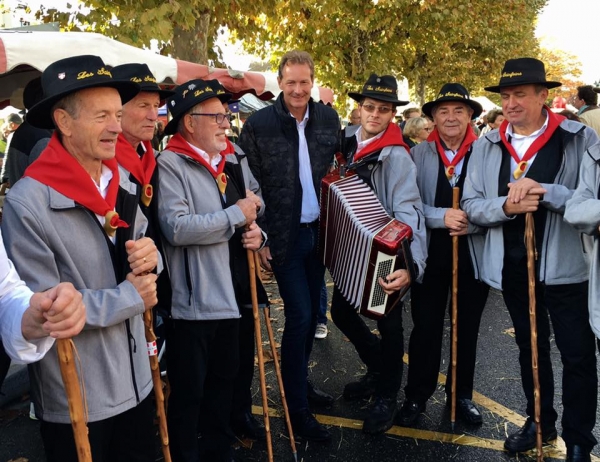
(359, 242)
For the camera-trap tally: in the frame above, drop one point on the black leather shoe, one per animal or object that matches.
(362, 388)
(467, 411)
(381, 416)
(409, 412)
(524, 439)
(245, 425)
(576, 453)
(318, 397)
(306, 427)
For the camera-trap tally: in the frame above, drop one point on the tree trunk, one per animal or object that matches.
(192, 45)
(420, 90)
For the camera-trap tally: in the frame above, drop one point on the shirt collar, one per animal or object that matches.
(304, 119)
(213, 162)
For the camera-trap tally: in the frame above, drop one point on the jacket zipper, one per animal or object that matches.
(549, 218)
(188, 277)
(130, 339)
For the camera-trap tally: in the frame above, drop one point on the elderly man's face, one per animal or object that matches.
(375, 116)
(203, 130)
(452, 119)
(522, 106)
(139, 117)
(92, 134)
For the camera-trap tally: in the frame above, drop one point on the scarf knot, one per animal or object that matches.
(58, 169)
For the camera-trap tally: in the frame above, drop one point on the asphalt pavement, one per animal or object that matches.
(335, 363)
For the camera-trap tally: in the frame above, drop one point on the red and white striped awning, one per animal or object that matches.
(24, 55)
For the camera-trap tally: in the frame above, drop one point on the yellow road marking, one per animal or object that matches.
(555, 450)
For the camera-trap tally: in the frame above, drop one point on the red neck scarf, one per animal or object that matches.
(391, 137)
(141, 169)
(180, 145)
(554, 121)
(58, 169)
(470, 138)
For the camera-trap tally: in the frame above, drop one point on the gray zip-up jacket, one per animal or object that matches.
(583, 212)
(394, 180)
(50, 239)
(561, 258)
(197, 230)
(426, 159)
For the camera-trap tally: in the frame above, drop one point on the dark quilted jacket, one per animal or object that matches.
(270, 140)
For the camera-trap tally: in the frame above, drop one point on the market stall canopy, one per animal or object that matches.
(25, 54)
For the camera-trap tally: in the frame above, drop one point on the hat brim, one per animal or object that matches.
(162, 94)
(498, 88)
(358, 97)
(171, 127)
(428, 107)
(39, 115)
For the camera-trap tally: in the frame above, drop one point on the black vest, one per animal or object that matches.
(544, 169)
(238, 255)
(440, 241)
(163, 283)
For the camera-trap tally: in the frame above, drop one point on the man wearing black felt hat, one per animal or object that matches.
(81, 224)
(441, 166)
(376, 151)
(208, 202)
(531, 165)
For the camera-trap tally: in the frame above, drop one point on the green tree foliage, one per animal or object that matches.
(562, 67)
(429, 42)
(185, 29)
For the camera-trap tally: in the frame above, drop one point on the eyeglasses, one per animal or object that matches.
(380, 109)
(429, 129)
(219, 118)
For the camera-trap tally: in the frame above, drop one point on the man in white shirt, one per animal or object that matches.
(29, 323)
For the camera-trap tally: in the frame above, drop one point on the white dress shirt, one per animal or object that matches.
(521, 144)
(14, 300)
(105, 177)
(310, 203)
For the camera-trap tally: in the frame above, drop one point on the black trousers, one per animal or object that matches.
(428, 308)
(242, 393)
(568, 309)
(383, 355)
(202, 358)
(127, 437)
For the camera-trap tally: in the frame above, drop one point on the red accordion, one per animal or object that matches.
(359, 242)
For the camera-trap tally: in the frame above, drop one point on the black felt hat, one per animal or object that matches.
(381, 88)
(523, 71)
(453, 92)
(140, 73)
(69, 75)
(189, 95)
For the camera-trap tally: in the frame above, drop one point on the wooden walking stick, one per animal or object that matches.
(286, 412)
(259, 351)
(157, 383)
(77, 413)
(531, 258)
(454, 316)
